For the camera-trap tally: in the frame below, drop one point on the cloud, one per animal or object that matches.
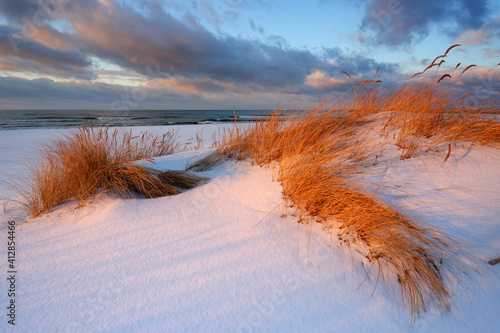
(475, 37)
(210, 13)
(356, 64)
(12, 88)
(485, 35)
(321, 80)
(20, 93)
(51, 37)
(19, 65)
(480, 84)
(19, 54)
(255, 27)
(104, 30)
(395, 23)
(189, 86)
(492, 53)
(16, 10)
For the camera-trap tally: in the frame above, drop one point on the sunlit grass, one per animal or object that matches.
(90, 161)
(320, 150)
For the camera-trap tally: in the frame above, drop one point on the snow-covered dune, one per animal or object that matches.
(222, 258)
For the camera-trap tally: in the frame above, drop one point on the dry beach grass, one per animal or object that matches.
(91, 160)
(317, 155)
(320, 150)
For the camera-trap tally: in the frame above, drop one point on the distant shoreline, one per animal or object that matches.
(19, 119)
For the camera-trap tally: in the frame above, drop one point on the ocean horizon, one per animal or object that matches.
(17, 119)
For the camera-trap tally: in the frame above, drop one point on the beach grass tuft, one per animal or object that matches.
(89, 161)
(318, 152)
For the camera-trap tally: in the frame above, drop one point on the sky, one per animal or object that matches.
(160, 54)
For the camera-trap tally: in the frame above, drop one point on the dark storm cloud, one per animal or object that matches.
(356, 63)
(37, 57)
(15, 10)
(13, 64)
(19, 92)
(46, 89)
(403, 22)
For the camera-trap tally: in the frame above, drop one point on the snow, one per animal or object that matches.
(220, 257)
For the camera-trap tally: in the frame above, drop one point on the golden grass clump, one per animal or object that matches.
(427, 115)
(320, 151)
(88, 161)
(416, 254)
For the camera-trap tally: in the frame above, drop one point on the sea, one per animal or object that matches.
(17, 119)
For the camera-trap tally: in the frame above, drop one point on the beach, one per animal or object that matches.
(229, 256)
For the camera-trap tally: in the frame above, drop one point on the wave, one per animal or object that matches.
(118, 118)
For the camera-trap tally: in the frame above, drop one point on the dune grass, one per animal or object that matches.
(89, 161)
(431, 109)
(317, 154)
(320, 150)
